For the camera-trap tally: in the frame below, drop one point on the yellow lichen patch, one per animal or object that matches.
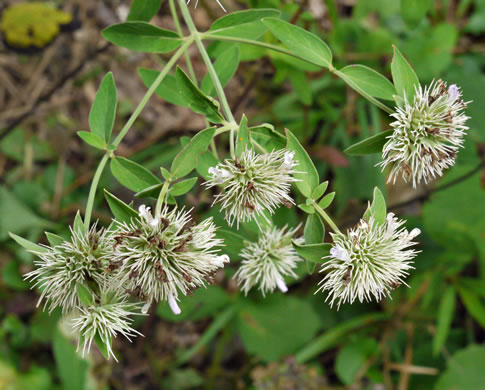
(32, 24)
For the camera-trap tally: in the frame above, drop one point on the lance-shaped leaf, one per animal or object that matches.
(103, 110)
(197, 100)
(92, 139)
(306, 44)
(370, 145)
(314, 230)
(121, 211)
(313, 252)
(306, 172)
(30, 246)
(182, 187)
(243, 24)
(445, 318)
(54, 239)
(143, 10)
(243, 137)
(84, 294)
(403, 75)
(378, 208)
(186, 160)
(142, 36)
(319, 190)
(367, 80)
(167, 90)
(132, 175)
(327, 200)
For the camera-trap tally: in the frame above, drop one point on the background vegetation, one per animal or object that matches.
(426, 337)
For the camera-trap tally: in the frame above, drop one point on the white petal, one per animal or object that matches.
(281, 285)
(172, 302)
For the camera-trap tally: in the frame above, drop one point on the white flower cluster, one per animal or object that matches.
(267, 262)
(158, 258)
(253, 183)
(428, 132)
(370, 260)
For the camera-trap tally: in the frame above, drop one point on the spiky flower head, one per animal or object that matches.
(369, 261)
(157, 258)
(62, 267)
(428, 132)
(112, 317)
(267, 262)
(253, 183)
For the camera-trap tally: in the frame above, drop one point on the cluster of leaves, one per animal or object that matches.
(449, 272)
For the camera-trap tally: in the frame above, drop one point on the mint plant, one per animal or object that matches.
(103, 277)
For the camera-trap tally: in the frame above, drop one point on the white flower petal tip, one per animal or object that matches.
(221, 260)
(146, 307)
(428, 133)
(154, 222)
(172, 302)
(281, 285)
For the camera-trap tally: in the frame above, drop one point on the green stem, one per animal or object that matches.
(220, 321)
(210, 68)
(92, 190)
(161, 198)
(326, 217)
(279, 49)
(151, 90)
(259, 146)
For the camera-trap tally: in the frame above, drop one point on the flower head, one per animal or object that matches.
(106, 321)
(156, 258)
(371, 260)
(253, 183)
(428, 132)
(61, 267)
(266, 262)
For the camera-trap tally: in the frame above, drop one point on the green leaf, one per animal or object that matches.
(132, 175)
(473, 305)
(30, 246)
(54, 239)
(243, 137)
(300, 41)
(142, 36)
(103, 110)
(102, 346)
(84, 294)
(464, 370)
(314, 230)
(445, 318)
(319, 190)
(167, 90)
(327, 200)
(307, 173)
(182, 187)
(313, 252)
(372, 83)
(300, 84)
(370, 145)
(143, 10)
(121, 211)
(72, 370)
(413, 11)
(403, 75)
(150, 192)
(353, 357)
(92, 139)
(78, 225)
(13, 278)
(225, 66)
(197, 100)
(307, 208)
(243, 24)
(378, 208)
(233, 242)
(186, 160)
(265, 335)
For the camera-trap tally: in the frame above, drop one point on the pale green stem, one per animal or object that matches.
(326, 217)
(279, 49)
(258, 145)
(210, 68)
(127, 126)
(161, 198)
(92, 190)
(151, 90)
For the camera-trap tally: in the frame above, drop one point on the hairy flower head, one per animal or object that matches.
(106, 321)
(428, 132)
(62, 267)
(370, 260)
(157, 258)
(266, 262)
(253, 183)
